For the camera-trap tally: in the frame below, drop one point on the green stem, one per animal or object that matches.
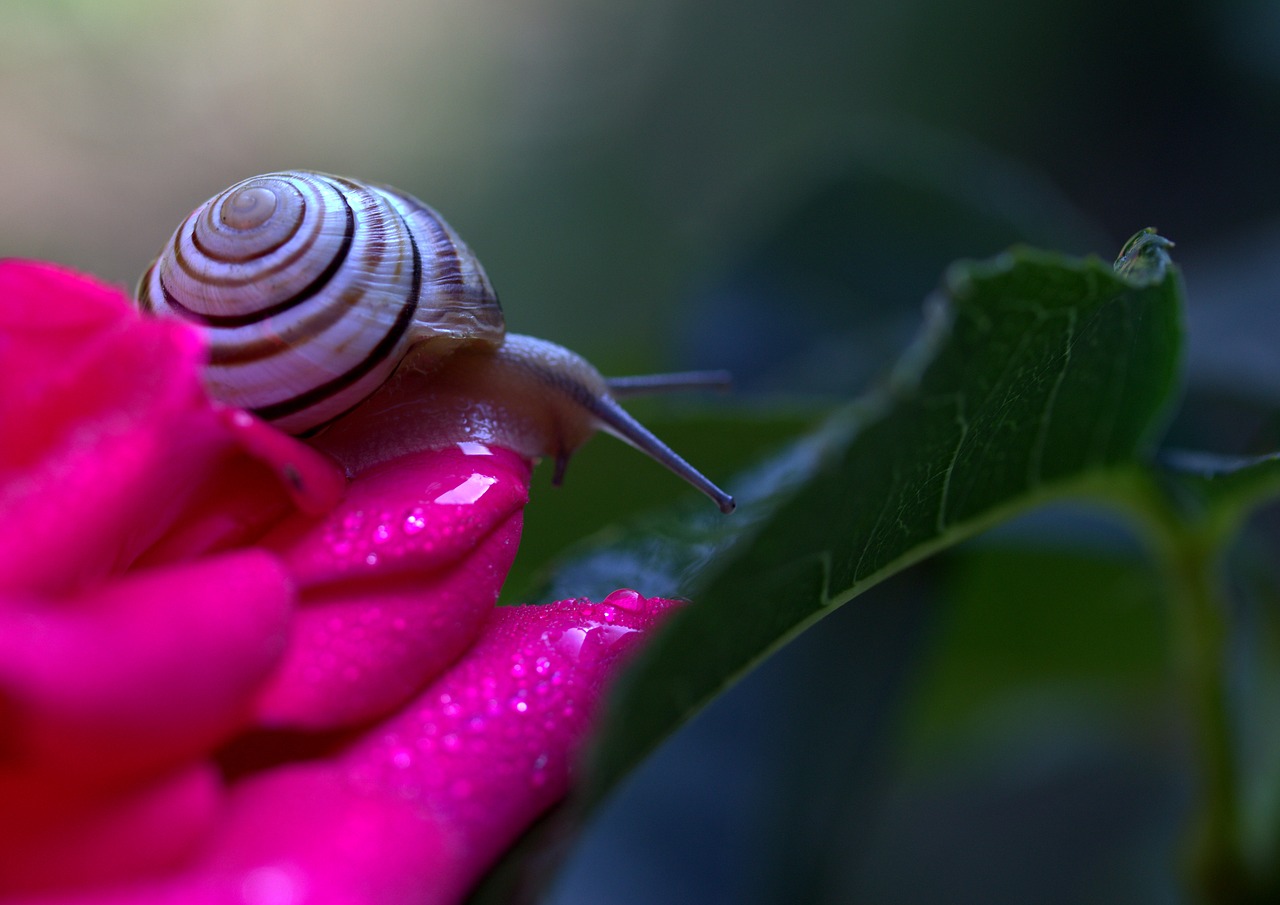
(1188, 552)
(1218, 864)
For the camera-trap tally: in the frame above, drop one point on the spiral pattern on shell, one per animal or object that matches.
(311, 288)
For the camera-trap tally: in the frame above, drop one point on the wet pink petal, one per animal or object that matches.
(420, 806)
(491, 745)
(396, 583)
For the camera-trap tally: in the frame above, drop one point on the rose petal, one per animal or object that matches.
(313, 480)
(420, 808)
(106, 425)
(140, 674)
(415, 514)
(433, 795)
(490, 745)
(397, 582)
(145, 831)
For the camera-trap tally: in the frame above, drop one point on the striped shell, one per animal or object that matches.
(311, 289)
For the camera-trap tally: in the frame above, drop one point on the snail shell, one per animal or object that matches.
(312, 288)
(315, 290)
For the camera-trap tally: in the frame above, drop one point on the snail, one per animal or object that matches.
(319, 293)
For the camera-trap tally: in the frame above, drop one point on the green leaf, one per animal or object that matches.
(1034, 374)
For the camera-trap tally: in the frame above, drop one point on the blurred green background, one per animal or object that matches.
(774, 188)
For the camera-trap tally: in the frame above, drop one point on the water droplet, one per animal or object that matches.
(414, 521)
(542, 666)
(381, 534)
(371, 559)
(627, 599)
(402, 759)
(570, 643)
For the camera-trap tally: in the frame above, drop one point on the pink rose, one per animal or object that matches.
(227, 674)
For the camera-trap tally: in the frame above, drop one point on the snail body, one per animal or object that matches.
(327, 302)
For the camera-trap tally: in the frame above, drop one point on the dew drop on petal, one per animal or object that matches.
(570, 642)
(415, 521)
(627, 599)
